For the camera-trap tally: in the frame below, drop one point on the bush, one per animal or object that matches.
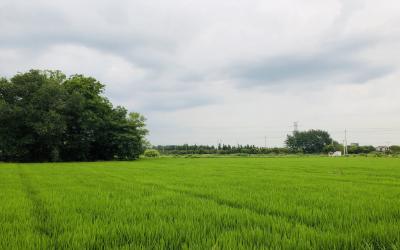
(151, 153)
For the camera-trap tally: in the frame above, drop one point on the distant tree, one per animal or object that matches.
(333, 147)
(394, 149)
(223, 149)
(360, 149)
(309, 142)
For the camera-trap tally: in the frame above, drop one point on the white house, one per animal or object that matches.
(335, 154)
(382, 148)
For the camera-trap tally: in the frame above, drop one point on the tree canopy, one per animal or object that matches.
(309, 142)
(46, 116)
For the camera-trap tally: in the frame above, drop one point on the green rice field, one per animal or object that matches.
(204, 203)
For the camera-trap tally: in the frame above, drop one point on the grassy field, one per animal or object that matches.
(238, 203)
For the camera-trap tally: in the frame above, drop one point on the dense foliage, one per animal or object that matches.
(395, 149)
(310, 142)
(353, 149)
(45, 116)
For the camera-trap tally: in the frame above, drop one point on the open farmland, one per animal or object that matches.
(212, 203)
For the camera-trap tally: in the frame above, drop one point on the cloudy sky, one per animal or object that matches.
(233, 71)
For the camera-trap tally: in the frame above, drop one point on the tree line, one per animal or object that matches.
(46, 116)
(186, 149)
(304, 142)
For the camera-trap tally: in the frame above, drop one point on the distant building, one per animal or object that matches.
(354, 144)
(382, 148)
(335, 154)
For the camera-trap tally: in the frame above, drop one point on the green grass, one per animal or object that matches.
(226, 203)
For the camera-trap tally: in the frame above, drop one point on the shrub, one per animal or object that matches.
(151, 153)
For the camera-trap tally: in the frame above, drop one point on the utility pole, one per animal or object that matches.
(345, 142)
(344, 148)
(265, 141)
(387, 147)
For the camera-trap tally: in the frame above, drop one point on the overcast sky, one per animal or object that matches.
(233, 71)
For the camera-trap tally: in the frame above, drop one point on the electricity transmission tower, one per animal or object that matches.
(295, 127)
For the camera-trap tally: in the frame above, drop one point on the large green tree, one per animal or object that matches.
(45, 116)
(31, 123)
(309, 142)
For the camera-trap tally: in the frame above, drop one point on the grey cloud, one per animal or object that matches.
(178, 102)
(153, 48)
(38, 27)
(143, 52)
(337, 64)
